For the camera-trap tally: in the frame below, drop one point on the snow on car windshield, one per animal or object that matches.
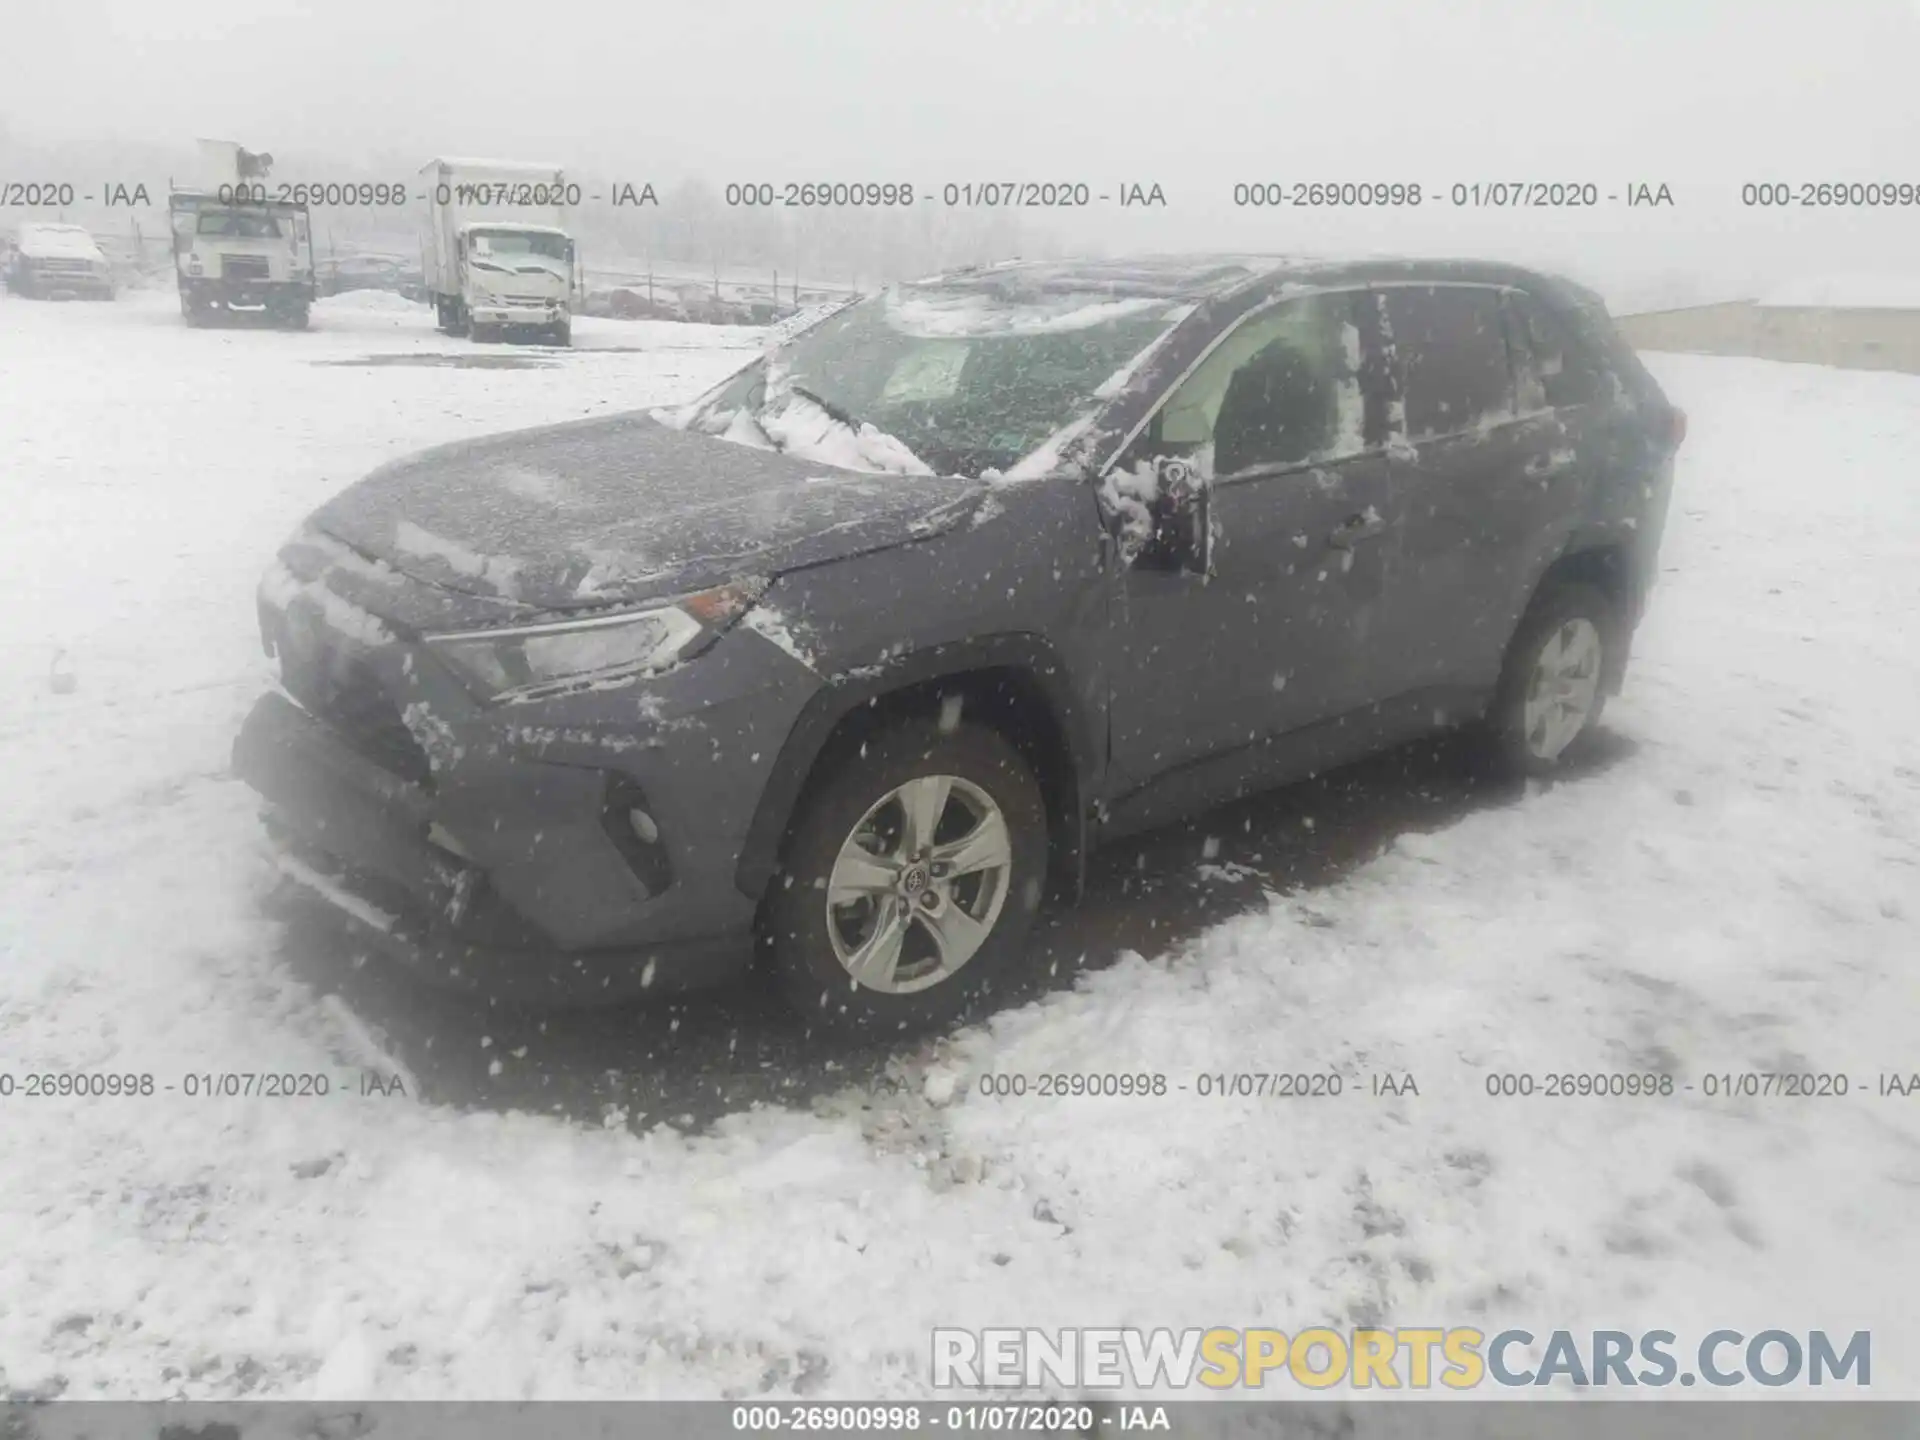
(521, 242)
(967, 383)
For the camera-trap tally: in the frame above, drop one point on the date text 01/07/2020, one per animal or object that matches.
(201, 1085)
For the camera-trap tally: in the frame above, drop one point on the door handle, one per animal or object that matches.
(1355, 528)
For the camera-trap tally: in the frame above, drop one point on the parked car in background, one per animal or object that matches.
(58, 262)
(717, 310)
(338, 274)
(624, 304)
(853, 661)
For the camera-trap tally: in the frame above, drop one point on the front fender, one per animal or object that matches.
(843, 697)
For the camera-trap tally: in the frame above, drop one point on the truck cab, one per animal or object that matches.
(516, 277)
(496, 254)
(236, 254)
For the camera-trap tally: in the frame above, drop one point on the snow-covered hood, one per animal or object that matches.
(625, 509)
(39, 242)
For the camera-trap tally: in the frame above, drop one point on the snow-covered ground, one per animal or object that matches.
(1737, 893)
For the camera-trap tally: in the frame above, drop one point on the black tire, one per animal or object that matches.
(794, 925)
(1554, 610)
(563, 336)
(483, 334)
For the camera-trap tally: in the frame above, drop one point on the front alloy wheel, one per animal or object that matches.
(918, 884)
(909, 879)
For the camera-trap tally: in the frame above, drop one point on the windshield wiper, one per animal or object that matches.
(833, 410)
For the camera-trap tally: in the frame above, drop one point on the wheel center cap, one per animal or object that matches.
(913, 879)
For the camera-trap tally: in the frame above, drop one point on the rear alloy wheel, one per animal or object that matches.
(1553, 688)
(910, 880)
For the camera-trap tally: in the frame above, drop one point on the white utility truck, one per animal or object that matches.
(236, 248)
(496, 253)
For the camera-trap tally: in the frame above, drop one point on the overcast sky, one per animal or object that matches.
(1699, 94)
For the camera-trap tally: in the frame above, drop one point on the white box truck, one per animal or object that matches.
(236, 249)
(497, 255)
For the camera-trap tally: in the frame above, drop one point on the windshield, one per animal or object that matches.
(506, 243)
(241, 224)
(966, 381)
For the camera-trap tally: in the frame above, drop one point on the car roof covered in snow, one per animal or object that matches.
(1204, 276)
(49, 241)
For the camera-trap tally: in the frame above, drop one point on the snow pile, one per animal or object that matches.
(799, 426)
(371, 302)
(1733, 892)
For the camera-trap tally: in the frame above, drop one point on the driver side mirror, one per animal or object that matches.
(1159, 510)
(1183, 516)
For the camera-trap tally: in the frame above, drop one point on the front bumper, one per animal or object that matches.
(66, 285)
(367, 842)
(213, 292)
(491, 313)
(578, 848)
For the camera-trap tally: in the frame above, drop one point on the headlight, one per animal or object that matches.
(526, 661)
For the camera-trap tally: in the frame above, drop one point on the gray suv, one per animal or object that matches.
(849, 664)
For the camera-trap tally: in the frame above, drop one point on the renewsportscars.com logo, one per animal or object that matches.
(1458, 1358)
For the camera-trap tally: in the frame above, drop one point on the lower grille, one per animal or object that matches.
(64, 267)
(244, 267)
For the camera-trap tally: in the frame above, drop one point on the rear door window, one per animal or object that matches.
(1449, 344)
(1552, 368)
